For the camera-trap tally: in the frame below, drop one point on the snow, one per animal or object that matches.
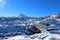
(40, 36)
(23, 28)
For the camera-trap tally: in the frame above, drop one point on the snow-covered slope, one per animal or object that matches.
(25, 28)
(39, 36)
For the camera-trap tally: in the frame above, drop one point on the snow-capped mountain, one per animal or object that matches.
(32, 28)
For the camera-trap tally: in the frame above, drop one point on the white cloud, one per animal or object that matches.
(2, 3)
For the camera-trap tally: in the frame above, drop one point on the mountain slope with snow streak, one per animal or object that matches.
(30, 28)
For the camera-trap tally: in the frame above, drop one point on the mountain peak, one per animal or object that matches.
(22, 15)
(56, 15)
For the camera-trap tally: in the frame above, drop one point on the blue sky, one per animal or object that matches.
(35, 8)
